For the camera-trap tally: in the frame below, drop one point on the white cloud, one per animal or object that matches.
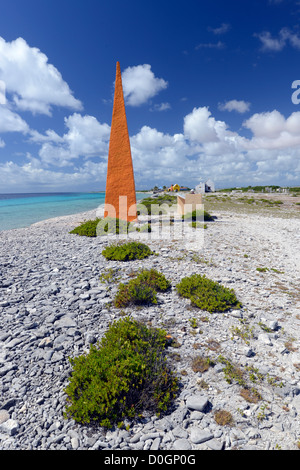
(278, 44)
(273, 131)
(200, 127)
(210, 45)
(161, 107)
(85, 137)
(206, 148)
(11, 122)
(269, 43)
(49, 136)
(35, 85)
(32, 174)
(235, 105)
(224, 28)
(140, 84)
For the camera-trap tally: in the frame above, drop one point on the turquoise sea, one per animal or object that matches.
(22, 210)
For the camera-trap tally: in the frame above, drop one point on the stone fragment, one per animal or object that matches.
(182, 444)
(4, 416)
(180, 432)
(215, 444)
(197, 402)
(65, 322)
(199, 435)
(10, 427)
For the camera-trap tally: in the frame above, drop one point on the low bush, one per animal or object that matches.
(207, 294)
(152, 205)
(127, 251)
(197, 225)
(122, 376)
(114, 226)
(87, 229)
(198, 215)
(142, 289)
(99, 227)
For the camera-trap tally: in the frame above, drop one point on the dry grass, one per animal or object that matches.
(276, 205)
(252, 396)
(201, 364)
(223, 418)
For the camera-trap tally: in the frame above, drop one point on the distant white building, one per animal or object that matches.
(207, 187)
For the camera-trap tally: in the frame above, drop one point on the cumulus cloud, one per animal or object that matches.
(140, 84)
(199, 126)
(273, 131)
(205, 148)
(11, 121)
(32, 174)
(208, 149)
(235, 105)
(85, 137)
(34, 84)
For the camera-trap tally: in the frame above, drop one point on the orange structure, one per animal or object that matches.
(120, 196)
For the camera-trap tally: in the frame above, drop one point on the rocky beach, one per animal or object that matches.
(56, 292)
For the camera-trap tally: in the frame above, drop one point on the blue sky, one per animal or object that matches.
(208, 91)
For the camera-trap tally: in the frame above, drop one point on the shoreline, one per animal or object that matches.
(91, 213)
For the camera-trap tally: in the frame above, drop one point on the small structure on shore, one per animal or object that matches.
(189, 203)
(120, 195)
(207, 187)
(174, 187)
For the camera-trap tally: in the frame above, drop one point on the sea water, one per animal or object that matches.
(22, 210)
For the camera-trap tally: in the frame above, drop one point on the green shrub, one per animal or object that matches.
(197, 225)
(198, 215)
(207, 294)
(114, 226)
(142, 289)
(144, 228)
(121, 376)
(127, 251)
(99, 227)
(87, 229)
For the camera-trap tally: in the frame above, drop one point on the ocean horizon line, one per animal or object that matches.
(19, 210)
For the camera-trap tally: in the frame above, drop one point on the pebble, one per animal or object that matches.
(53, 306)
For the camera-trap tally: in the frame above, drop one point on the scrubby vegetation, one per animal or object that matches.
(142, 289)
(223, 418)
(198, 215)
(114, 226)
(207, 294)
(87, 229)
(127, 251)
(123, 375)
(151, 205)
(197, 225)
(98, 227)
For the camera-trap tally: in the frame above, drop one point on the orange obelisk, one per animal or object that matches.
(120, 196)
